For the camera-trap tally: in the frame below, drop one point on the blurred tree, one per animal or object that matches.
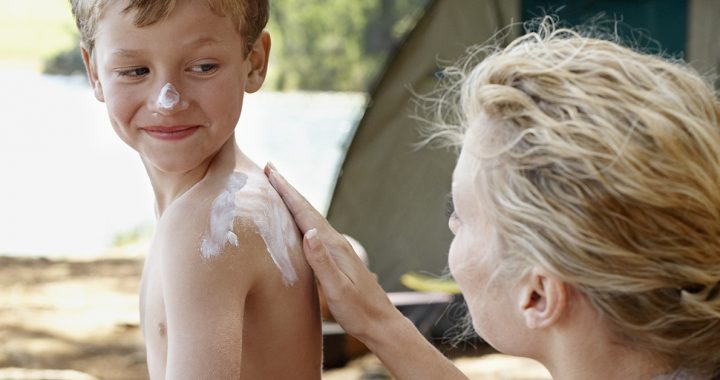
(335, 45)
(67, 62)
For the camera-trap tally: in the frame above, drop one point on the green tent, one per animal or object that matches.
(390, 196)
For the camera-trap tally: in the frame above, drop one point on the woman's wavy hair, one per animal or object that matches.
(602, 165)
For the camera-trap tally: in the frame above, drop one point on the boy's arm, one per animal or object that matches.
(204, 304)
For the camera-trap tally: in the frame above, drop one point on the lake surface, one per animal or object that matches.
(69, 185)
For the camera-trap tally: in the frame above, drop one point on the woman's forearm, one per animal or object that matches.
(407, 354)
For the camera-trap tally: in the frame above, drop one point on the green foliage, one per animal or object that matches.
(67, 62)
(333, 45)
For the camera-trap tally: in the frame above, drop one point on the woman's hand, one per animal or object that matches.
(354, 297)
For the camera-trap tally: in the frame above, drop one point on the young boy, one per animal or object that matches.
(225, 293)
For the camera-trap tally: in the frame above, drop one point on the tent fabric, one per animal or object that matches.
(704, 37)
(390, 196)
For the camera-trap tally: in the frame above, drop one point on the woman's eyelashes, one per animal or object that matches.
(453, 219)
(449, 206)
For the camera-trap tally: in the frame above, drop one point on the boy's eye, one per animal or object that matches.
(204, 68)
(134, 72)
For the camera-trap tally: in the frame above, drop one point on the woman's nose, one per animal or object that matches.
(168, 101)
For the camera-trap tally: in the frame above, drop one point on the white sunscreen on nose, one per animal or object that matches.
(265, 209)
(222, 218)
(168, 98)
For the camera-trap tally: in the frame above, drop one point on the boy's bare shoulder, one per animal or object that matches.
(224, 297)
(179, 241)
(260, 206)
(238, 226)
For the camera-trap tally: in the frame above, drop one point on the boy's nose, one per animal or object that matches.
(168, 101)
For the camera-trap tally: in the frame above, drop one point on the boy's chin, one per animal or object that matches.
(171, 166)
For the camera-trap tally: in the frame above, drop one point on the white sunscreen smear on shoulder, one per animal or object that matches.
(222, 218)
(275, 226)
(265, 209)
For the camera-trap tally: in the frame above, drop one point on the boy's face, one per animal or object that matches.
(201, 54)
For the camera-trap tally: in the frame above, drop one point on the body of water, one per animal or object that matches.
(68, 184)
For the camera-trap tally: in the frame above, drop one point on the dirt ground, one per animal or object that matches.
(79, 315)
(78, 320)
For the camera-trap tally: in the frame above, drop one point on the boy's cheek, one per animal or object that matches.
(121, 107)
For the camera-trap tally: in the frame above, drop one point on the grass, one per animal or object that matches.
(32, 31)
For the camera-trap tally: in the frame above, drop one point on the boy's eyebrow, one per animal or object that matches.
(126, 53)
(203, 40)
(131, 53)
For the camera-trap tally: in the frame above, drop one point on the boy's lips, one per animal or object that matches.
(177, 132)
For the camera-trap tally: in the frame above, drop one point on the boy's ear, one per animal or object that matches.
(258, 58)
(92, 74)
(544, 299)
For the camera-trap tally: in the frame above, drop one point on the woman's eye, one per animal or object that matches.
(454, 217)
(134, 72)
(204, 68)
(449, 206)
(454, 223)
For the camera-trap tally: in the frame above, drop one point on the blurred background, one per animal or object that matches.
(76, 208)
(66, 168)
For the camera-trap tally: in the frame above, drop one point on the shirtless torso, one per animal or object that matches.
(235, 314)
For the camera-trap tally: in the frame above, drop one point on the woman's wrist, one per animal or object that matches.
(406, 353)
(391, 335)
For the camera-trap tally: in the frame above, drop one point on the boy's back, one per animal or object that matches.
(199, 308)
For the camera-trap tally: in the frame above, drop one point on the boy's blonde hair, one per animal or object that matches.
(602, 165)
(251, 16)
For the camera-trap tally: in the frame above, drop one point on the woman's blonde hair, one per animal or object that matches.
(250, 16)
(603, 165)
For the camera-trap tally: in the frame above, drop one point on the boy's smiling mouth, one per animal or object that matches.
(177, 132)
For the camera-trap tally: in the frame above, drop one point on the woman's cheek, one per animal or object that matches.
(455, 258)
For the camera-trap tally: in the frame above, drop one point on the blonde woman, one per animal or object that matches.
(587, 222)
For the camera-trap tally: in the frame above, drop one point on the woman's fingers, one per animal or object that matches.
(305, 215)
(352, 293)
(337, 251)
(330, 276)
(351, 298)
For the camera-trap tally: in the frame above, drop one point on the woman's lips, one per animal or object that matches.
(171, 133)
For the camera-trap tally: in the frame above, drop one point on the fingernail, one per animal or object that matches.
(312, 239)
(271, 166)
(271, 174)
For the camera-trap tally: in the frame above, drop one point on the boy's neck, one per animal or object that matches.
(170, 186)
